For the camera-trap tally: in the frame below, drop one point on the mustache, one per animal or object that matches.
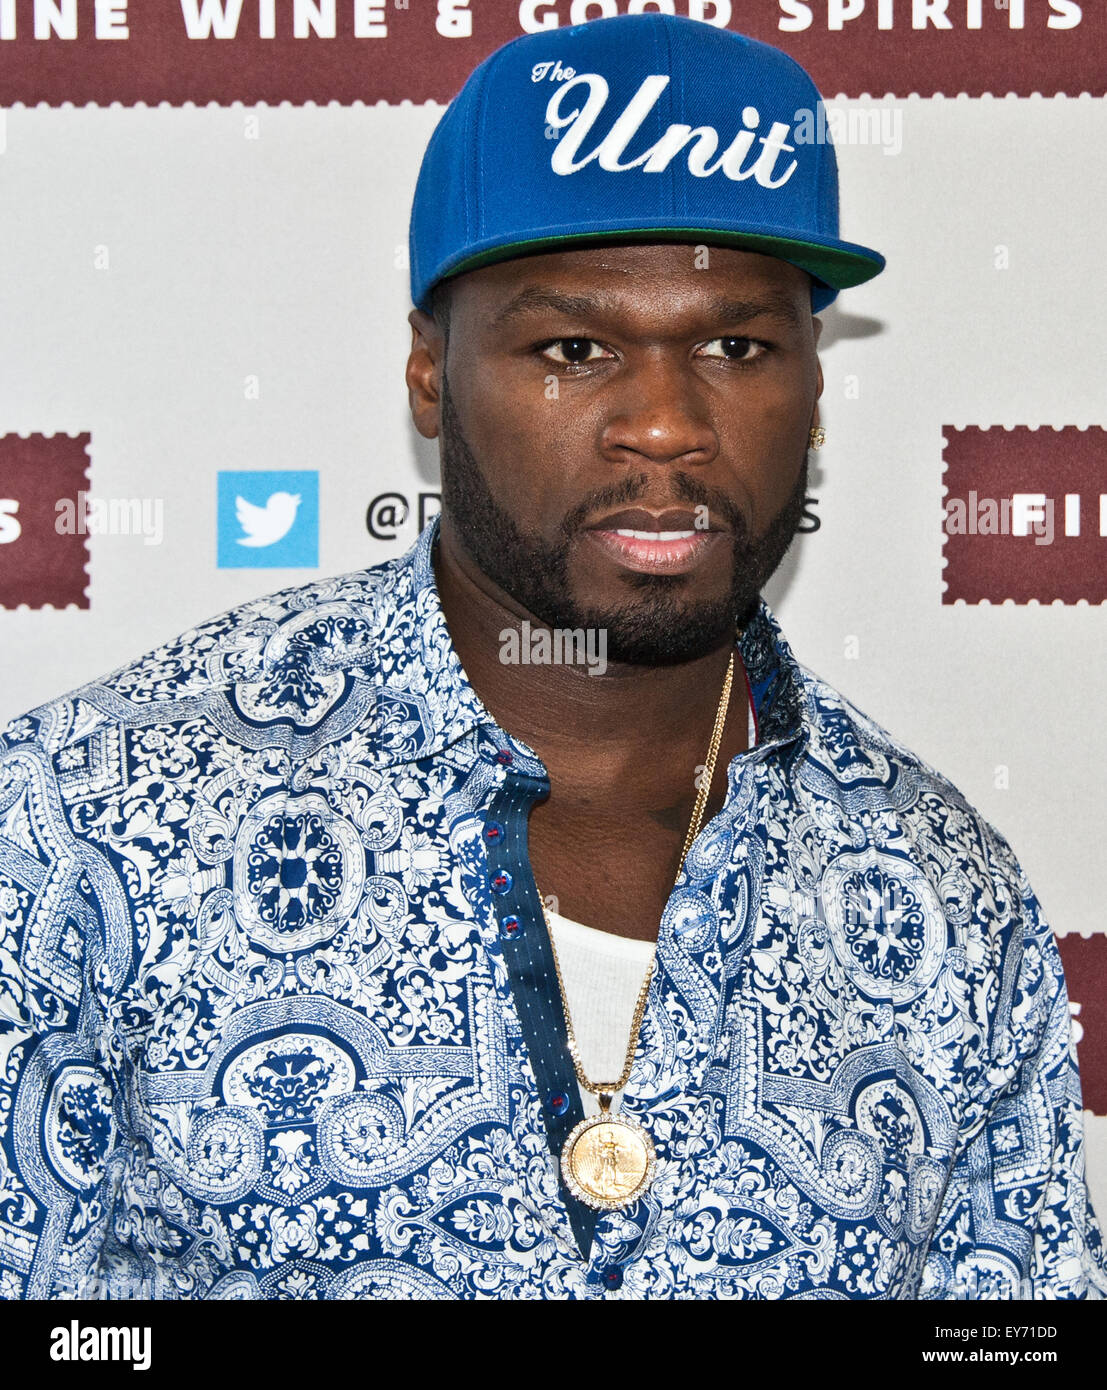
(636, 489)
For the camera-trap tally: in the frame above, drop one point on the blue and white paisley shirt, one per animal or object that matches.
(279, 1020)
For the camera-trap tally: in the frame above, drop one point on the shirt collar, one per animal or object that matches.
(426, 702)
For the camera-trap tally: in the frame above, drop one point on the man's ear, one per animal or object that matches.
(424, 372)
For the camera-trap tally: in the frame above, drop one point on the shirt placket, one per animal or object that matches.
(697, 942)
(524, 945)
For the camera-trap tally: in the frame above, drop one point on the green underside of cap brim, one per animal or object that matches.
(837, 268)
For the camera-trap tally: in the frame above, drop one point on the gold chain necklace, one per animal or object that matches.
(608, 1160)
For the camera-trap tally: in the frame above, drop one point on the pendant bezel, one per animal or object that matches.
(595, 1200)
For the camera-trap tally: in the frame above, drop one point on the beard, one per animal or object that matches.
(658, 627)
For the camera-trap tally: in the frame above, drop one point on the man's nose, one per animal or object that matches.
(658, 411)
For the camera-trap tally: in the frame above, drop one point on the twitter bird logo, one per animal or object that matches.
(269, 524)
(268, 519)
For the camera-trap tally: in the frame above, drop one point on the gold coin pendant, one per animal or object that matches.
(608, 1161)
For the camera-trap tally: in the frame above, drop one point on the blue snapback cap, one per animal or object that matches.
(647, 127)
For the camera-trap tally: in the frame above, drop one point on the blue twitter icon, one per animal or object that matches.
(268, 520)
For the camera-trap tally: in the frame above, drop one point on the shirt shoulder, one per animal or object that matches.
(871, 770)
(288, 644)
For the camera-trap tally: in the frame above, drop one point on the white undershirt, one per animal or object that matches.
(603, 973)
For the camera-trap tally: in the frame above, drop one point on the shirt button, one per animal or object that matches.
(612, 1277)
(505, 756)
(494, 831)
(501, 881)
(511, 928)
(559, 1102)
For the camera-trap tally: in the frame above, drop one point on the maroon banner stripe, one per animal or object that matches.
(155, 51)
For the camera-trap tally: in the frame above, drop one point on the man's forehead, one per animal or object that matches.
(592, 279)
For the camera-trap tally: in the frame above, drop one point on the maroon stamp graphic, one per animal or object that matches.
(42, 562)
(417, 50)
(1085, 961)
(1025, 515)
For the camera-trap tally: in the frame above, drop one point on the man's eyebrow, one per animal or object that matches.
(770, 305)
(538, 299)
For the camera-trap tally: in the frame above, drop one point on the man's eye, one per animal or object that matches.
(736, 349)
(573, 351)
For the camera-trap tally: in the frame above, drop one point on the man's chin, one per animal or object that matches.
(652, 632)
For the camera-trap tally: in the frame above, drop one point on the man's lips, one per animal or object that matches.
(678, 519)
(668, 542)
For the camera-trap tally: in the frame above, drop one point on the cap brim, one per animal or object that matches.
(837, 265)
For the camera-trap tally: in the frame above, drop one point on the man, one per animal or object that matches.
(330, 928)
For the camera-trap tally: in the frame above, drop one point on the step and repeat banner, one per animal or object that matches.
(203, 331)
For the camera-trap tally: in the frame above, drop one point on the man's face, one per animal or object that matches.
(592, 399)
